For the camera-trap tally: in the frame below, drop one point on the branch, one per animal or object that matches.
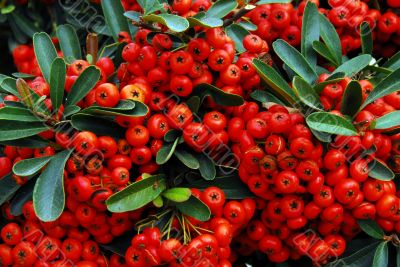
(243, 11)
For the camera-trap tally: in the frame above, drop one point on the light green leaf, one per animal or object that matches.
(130, 108)
(195, 208)
(166, 152)
(380, 171)
(237, 34)
(114, 16)
(200, 19)
(173, 22)
(177, 194)
(221, 8)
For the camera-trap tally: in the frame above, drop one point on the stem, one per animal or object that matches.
(92, 46)
(243, 11)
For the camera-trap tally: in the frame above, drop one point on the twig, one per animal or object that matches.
(243, 11)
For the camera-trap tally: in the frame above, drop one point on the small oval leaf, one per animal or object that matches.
(177, 194)
(187, 158)
(329, 123)
(166, 152)
(352, 99)
(380, 171)
(237, 33)
(69, 42)
(371, 228)
(31, 166)
(195, 208)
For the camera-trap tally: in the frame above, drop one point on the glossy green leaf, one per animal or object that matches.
(98, 125)
(237, 34)
(330, 38)
(380, 171)
(150, 6)
(354, 65)
(130, 108)
(11, 130)
(48, 194)
(206, 166)
(195, 208)
(83, 84)
(310, 32)
(8, 85)
(133, 15)
(275, 81)
(25, 25)
(387, 86)
(321, 136)
(200, 19)
(387, 121)
(381, 258)
(7, 9)
(334, 78)
(371, 228)
(295, 61)
(23, 195)
(323, 50)
(352, 99)
(30, 142)
(220, 97)
(17, 114)
(57, 82)
(187, 158)
(45, 53)
(367, 43)
(177, 194)
(70, 110)
(69, 42)
(137, 195)
(247, 25)
(166, 152)
(173, 22)
(31, 166)
(306, 93)
(331, 123)
(114, 16)
(8, 187)
(393, 63)
(221, 8)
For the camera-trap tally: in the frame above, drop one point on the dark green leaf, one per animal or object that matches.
(387, 86)
(70, 110)
(380, 171)
(96, 124)
(310, 32)
(177, 194)
(166, 152)
(25, 76)
(187, 158)
(354, 65)
(133, 15)
(381, 257)
(207, 166)
(8, 85)
(12, 130)
(17, 114)
(137, 195)
(45, 53)
(173, 22)
(260, 96)
(352, 99)
(331, 123)
(23, 195)
(114, 16)
(247, 25)
(220, 97)
(371, 228)
(237, 34)
(387, 121)
(30, 142)
(24, 24)
(31, 166)
(306, 93)
(335, 78)
(380, 70)
(195, 208)
(330, 38)
(321, 136)
(171, 135)
(361, 257)
(200, 19)
(393, 63)
(323, 50)
(275, 81)
(131, 108)
(8, 187)
(49, 195)
(57, 82)
(69, 42)
(367, 44)
(194, 103)
(221, 8)
(82, 86)
(398, 257)
(295, 61)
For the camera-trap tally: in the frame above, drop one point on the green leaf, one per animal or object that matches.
(237, 34)
(275, 81)
(166, 152)
(8, 187)
(49, 195)
(207, 167)
(171, 135)
(98, 125)
(17, 114)
(69, 42)
(158, 202)
(194, 103)
(371, 228)
(195, 208)
(24, 25)
(133, 15)
(354, 65)
(310, 32)
(264, 97)
(30, 142)
(200, 19)
(187, 158)
(381, 258)
(137, 195)
(173, 22)
(70, 110)
(335, 78)
(361, 257)
(393, 63)
(12, 130)
(295, 61)
(25, 76)
(150, 6)
(130, 108)
(177, 194)
(247, 25)
(352, 99)
(367, 43)
(387, 121)
(31, 166)
(387, 86)
(380, 171)
(7, 9)
(8, 85)
(57, 82)
(221, 8)
(263, 2)
(306, 93)
(330, 38)
(114, 16)
(45, 53)
(83, 84)
(321, 136)
(323, 50)
(23, 195)
(220, 97)
(330, 123)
